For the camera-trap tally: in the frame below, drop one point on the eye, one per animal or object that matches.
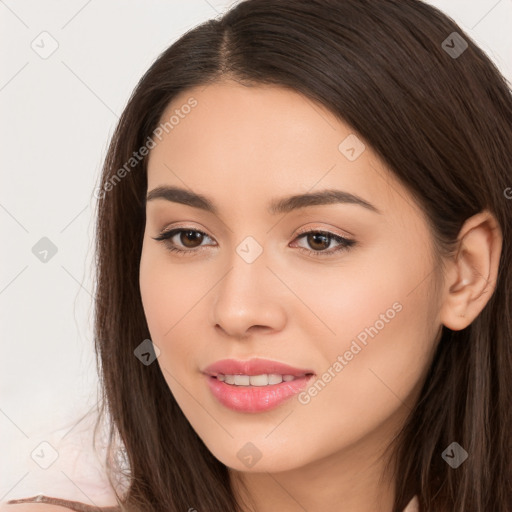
(188, 236)
(321, 240)
(191, 241)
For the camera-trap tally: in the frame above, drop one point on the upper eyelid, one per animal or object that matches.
(299, 233)
(183, 228)
(177, 229)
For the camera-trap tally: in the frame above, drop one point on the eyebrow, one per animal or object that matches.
(276, 206)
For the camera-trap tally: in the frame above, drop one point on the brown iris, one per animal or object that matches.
(188, 238)
(315, 238)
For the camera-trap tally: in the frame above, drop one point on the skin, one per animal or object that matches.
(242, 146)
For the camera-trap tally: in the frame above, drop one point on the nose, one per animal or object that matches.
(248, 299)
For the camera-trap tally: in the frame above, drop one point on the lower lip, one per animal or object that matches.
(255, 398)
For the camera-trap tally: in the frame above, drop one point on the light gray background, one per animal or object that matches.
(58, 114)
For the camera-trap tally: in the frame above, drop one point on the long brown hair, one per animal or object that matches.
(439, 114)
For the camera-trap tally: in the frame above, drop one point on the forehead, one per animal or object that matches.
(242, 144)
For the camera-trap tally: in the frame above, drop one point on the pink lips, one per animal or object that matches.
(255, 398)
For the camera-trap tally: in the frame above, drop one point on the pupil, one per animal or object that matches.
(190, 235)
(319, 235)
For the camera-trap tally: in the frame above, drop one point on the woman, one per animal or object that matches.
(303, 296)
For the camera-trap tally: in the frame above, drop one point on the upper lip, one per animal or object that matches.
(255, 366)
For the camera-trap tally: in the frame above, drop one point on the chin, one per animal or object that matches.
(248, 458)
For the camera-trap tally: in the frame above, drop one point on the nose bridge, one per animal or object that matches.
(245, 296)
(247, 273)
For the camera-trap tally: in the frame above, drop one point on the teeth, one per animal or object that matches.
(275, 378)
(242, 380)
(255, 380)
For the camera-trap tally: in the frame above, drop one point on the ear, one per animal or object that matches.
(471, 275)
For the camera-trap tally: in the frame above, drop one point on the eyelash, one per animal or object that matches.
(345, 243)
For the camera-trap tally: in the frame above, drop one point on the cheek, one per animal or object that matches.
(156, 298)
(382, 296)
(171, 296)
(385, 331)
(165, 292)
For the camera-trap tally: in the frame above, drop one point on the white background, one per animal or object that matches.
(57, 117)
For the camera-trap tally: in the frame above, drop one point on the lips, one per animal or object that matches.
(251, 398)
(254, 366)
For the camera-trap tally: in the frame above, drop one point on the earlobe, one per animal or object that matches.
(472, 273)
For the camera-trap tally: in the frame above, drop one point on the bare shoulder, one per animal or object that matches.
(41, 503)
(32, 507)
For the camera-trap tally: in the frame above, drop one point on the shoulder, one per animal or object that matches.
(42, 503)
(32, 507)
(413, 505)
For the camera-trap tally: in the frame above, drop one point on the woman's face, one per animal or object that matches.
(364, 319)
